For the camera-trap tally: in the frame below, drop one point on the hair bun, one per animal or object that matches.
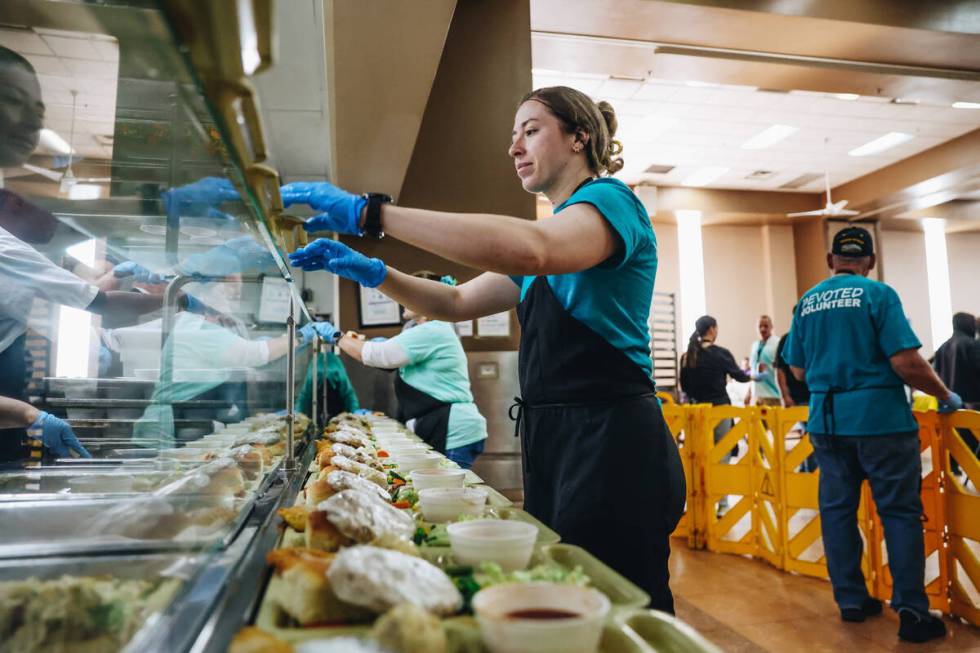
(609, 115)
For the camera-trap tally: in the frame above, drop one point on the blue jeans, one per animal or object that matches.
(893, 468)
(465, 455)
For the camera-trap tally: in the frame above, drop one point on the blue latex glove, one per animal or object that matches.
(137, 271)
(336, 257)
(325, 330)
(194, 305)
(341, 210)
(200, 198)
(951, 404)
(362, 411)
(58, 436)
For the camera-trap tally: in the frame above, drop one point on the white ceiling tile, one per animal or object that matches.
(45, 65)
(74, 48)
(93, 69)
(23, 41)
(108, 50)
(618, 89)
(655, 91)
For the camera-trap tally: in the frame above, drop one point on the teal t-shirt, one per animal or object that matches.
(844, 331)
(437, 367)
(613, 298)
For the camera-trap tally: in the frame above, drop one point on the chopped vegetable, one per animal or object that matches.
(402, 504)
(382, 453)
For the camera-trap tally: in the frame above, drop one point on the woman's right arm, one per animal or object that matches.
(487, 294)
(731, 367)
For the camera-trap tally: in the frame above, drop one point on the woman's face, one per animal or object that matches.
(21, 114)
(539, 146)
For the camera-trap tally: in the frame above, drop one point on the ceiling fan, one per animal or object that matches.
(66, 179)
(831, 210)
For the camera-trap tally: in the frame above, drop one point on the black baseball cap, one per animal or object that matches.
(853, 242)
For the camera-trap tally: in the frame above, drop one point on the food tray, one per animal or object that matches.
(156, 627)
(123, 525)
(663, 633)
(623, 595)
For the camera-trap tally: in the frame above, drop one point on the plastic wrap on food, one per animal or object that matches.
(340, 479)
(379, 579)
(267, 438)
(362, 470)
(364, 517)
(339, 645)
(355, 439)
(358, 454)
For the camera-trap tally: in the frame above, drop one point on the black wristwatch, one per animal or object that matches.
(372, 222)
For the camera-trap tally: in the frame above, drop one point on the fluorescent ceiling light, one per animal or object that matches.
(937, 275)
(84, 192)
(966, 105)
(546, 71)
(846, 96)
(697, 84)
(53, 142)
(769, 136)
(882, 143)
(705, 176)
(690, 255)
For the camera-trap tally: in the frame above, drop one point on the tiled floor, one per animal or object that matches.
(746, 606)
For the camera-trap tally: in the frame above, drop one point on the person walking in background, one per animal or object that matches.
(705, 368)
(851, 342)
(957, 362)
(762, 363)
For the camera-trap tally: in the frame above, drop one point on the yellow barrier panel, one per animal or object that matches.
(962, 516)
(678, 420)
(749, 494)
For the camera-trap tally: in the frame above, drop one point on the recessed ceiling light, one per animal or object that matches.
(846, 96)
(705, 176)
(769, 136)
(882, 143)
(966, 105)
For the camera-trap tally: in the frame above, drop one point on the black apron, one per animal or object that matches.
(431, 415)
(13, 384)
(600, 465)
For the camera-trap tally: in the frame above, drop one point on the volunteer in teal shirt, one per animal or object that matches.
(433, 385)
(339, 392)
(852, 343)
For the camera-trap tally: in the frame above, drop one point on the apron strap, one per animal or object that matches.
(517, 419)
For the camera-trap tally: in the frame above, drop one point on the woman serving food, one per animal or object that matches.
(600, 466)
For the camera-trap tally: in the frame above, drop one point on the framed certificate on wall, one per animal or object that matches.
(377, 310)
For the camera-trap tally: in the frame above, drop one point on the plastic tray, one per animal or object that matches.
(663, 633)
(623, 595)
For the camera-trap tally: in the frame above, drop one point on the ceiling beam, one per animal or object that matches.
(748, 207)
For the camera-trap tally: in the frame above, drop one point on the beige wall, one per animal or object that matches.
(964, 271)
(749, 270)
(905, 271)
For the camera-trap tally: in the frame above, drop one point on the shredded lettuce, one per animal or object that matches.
(488, 574)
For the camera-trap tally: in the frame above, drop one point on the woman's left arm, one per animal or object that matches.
(578, 240)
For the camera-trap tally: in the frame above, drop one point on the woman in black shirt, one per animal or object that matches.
(705, 369)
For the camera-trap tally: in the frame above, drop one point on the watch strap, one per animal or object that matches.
(372, 221)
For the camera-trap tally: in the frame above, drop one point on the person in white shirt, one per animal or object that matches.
(762, 364)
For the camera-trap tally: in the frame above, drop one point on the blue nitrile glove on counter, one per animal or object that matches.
(951, 404)
(58, 436)
(325, 330)
(341, 210)
(336, 257)
(362, 411)
(139, 273)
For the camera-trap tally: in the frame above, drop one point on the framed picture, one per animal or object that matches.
(377, 310)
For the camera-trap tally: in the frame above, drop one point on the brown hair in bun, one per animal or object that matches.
(578, 113)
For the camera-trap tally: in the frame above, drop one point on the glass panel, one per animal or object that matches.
(141, 299)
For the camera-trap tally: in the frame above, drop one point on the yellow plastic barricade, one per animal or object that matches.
(802, 541)
(729, 481)
(962, 516)
(679, 420)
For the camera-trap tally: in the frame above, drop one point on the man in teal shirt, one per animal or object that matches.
(852, 344)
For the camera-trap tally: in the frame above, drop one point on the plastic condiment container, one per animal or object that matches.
(540, 618)
(506, 542)
(410, 462)
(423, 479)
(443, 504)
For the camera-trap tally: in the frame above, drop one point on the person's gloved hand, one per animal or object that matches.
(192, 304)
(58, 436)
(950, 404)
(200, 198)
(341, 210)
(336, 257)
(325, 330)
(362, 411)
(137, 271)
